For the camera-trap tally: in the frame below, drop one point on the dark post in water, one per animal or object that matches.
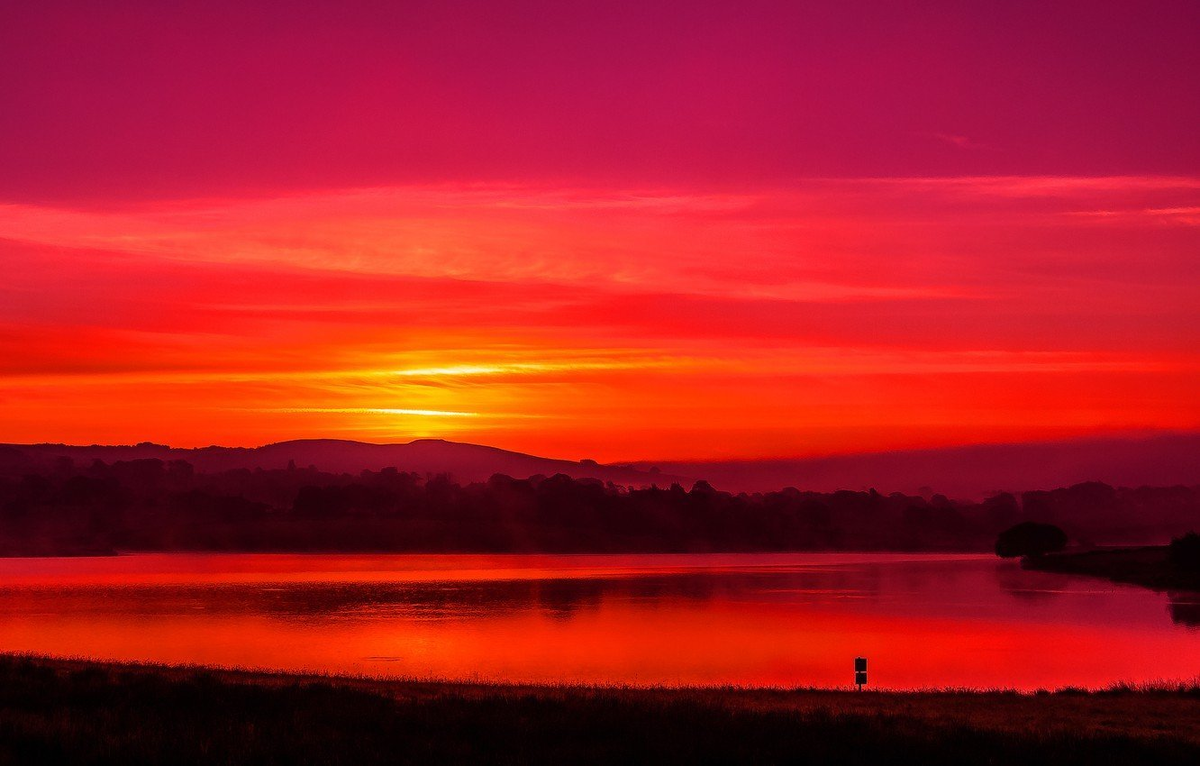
(860, 671)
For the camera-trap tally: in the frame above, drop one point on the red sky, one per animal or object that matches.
(643, 230)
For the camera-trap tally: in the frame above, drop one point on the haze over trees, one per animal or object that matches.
(152, 504)
(973, 472)
(1030, 538)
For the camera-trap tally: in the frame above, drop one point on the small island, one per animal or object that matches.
(1172, 567)
(1148, 566)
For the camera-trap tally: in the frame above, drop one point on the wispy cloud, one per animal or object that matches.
(784, 319)
(372, 411)
(962, 142)
(1177, 216)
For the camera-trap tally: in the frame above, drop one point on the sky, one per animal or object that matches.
(617, 231)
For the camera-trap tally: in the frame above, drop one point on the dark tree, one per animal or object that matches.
(1030, 539)
(1185, 552)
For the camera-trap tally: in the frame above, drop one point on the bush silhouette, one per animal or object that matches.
(1184, 552)
(1030, 538)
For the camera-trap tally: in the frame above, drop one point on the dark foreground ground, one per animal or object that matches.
(55, 711)
(1148, 566)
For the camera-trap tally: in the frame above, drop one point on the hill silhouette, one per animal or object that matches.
(974, 471)
(462, 462)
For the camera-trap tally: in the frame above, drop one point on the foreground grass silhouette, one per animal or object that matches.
(71, 711)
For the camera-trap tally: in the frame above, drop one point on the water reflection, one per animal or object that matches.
(1030, 586)
(773, 619)
(1184, 608)
(442, 599)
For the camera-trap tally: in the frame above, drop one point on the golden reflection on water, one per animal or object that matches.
(776, 619)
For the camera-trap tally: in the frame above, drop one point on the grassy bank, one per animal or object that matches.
(55, 710)
(1146, 566)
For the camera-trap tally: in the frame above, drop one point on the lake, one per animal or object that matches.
(756, 619)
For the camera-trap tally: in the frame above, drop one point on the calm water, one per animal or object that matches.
(788, 619)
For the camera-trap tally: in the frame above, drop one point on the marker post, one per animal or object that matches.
(860, 672)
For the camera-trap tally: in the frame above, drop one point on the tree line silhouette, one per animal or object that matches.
(167, 505)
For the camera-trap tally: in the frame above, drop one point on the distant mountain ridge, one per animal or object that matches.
(966, 472)
(972, 471)
(463, 462)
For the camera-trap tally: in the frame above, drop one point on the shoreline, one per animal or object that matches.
(1147, 566)
(113, 553)
(77, 709)
(398, 683)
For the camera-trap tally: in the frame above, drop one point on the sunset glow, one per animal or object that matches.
(832, 316)
(538, 381)
(690, 270)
